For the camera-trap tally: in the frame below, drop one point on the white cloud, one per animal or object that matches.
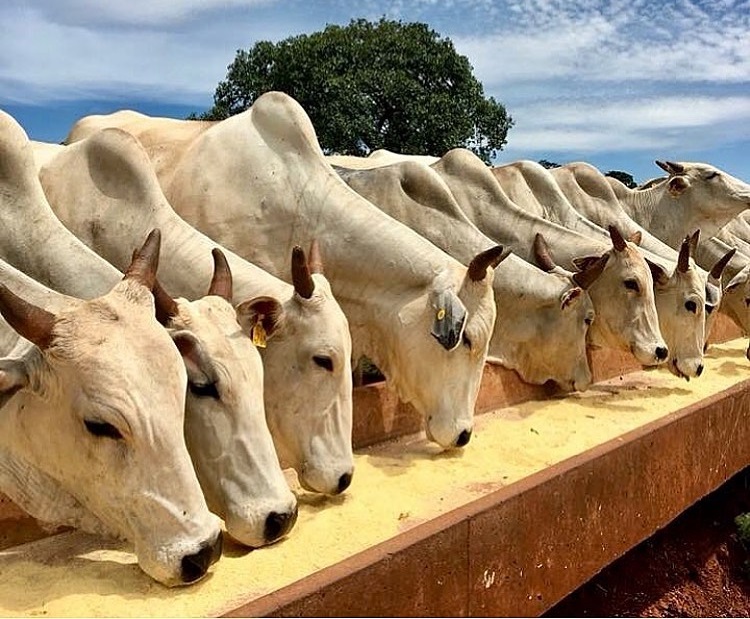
(661, 123)
(45, 61)
(136, 12)
(590, 40)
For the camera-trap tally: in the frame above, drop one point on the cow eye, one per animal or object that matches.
(102, 428)
(691, 307)
(205, 390)
(631, 284)
(324, 362)
(466, 341)
(588, 320)
(709, 308)
(712, 175)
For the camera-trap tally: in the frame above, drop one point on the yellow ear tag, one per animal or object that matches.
(441, 313)
(259, 335)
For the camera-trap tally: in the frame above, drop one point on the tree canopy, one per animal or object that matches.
(548, 164)
(371, 85)
(624, 177)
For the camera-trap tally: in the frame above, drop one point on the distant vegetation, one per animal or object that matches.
(625, 178)
(372, 85)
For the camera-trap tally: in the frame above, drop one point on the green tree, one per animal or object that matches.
(625, 178)
(372, 85)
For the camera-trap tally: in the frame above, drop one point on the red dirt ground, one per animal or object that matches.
(695, 567)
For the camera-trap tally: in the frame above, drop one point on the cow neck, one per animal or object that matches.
(189, 266)
(58, 259)
(509, 224)
(370, 258)
(643, 206)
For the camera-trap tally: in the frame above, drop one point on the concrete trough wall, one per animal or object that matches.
(521, 549)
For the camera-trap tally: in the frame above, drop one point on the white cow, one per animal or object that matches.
(258, 183)
(536, 311)
(591, 194)
(735, 302)
(91, 425)
(246, 486)
(680, 286)
(695, 196)
(623, 295)
(105, 191)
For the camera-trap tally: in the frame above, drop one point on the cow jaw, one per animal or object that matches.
(626, 317)
(308, 380)
(225, 423)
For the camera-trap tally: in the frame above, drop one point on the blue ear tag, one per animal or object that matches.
(450, 319)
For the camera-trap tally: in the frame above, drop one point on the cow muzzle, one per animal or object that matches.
(195, 566)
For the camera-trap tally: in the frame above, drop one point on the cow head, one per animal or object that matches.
(546, 311)
(735, 301)
(225, 421)
(308, 376)
(98, 413)
(448, 330)
(712, 196)
(715, 290)
(623, 296)
(680, 304)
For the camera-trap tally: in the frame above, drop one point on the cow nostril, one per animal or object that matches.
(344, 482)
(699, 371)
(463, 438)
(278, 524)
(195, 566)
(217, 547)
(661, 353)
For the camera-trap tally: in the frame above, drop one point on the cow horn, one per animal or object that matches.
(221, 282)
(721, 264)
(617, 239)
(165, 305)
(30, 321)
(314, 261)
(589, 275)
(146, 262)
(671, 167)
(481, 262)
(301, 278)
(683, 259)
(541, 253)
(694, 238)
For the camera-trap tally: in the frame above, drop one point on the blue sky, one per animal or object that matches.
(617, 83)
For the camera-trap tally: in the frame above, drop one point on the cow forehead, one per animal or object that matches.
(318, 318)
(210, 315)
(103, 334)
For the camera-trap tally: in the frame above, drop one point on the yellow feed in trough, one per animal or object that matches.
(396, 486)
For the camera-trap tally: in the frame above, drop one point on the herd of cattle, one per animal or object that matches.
(278, 266)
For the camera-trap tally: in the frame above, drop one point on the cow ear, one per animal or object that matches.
(14, 375)
(584, 262)
(636, 237)
(570, 297)
(738, 280)
(449, 319)
(199, 368)
(260, 318)
(677, 185)
(590, 271)
(660, 276)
